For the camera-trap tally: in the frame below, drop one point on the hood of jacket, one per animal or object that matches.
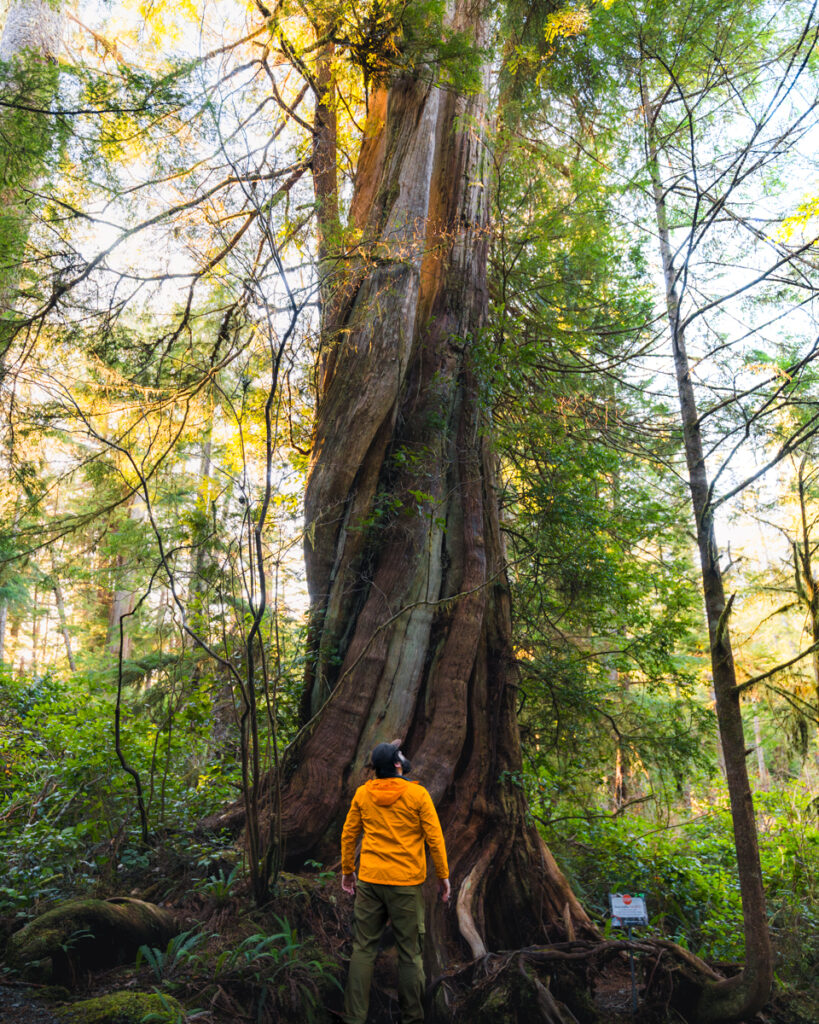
(386, 791)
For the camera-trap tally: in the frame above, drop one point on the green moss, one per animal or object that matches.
(53, 993)
(121, 1008)
(48, 932)
(86, 935)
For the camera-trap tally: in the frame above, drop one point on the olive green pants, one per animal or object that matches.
(404, 906)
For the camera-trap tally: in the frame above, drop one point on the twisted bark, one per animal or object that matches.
(410, 612)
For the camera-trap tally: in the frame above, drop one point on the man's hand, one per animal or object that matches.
(348, 883)
(443, 889)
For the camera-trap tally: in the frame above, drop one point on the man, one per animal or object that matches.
(396, 816)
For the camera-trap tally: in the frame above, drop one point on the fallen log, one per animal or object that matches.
(85, 935)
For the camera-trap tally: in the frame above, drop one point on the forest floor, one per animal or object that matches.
(17, 1008)
(264, 988)
(612, 1000)
(613, 995)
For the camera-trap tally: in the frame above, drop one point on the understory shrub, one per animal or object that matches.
(686, 866)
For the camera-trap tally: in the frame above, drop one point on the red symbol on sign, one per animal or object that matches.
(627, 900)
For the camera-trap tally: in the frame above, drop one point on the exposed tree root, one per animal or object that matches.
(510, 988)
(468, 892)
(556, 984)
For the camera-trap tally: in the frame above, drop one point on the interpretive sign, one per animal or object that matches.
(628, 910)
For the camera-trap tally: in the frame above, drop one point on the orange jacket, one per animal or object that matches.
(396, 816)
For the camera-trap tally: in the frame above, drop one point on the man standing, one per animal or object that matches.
(396, 816)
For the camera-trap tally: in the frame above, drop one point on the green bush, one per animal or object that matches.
(687, 868)
(272, 977)
(68, 813)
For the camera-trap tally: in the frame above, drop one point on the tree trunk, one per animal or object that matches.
(410, 611)
(121, 599)
(64, 943)
(761, 767)
(35, 630)
(741, 996)
(807, 589)
(4, 617)
(29, 45)
(31, 27)
(201, 545)
(123, 602)
(58, 597)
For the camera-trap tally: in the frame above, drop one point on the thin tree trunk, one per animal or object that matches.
(807, 589)
(29, 45)
(741, 996)
(15, 522)
(122, 599)
(325, 180)
(44, 630)
(58, 597)
(761, 767)
(4, 617)
(201, 555)
(35, 625)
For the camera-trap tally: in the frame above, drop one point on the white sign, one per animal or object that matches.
(628, 910)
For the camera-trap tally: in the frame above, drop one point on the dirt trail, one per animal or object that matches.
(16, 1008)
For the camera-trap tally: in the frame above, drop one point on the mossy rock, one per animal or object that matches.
(122, 1008)
(86, 935)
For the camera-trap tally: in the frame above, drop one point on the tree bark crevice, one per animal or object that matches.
(413, 579)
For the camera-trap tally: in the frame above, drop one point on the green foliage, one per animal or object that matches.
(166, 963)
(220, 888)
(387, 38)
(270, 976)
(67, 816)
(28, 87)
(605, 607)
(688, 875)
(288, 965)
(687, 868)
(324, 875)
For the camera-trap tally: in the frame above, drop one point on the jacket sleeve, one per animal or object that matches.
(434, 836)
(349, 837)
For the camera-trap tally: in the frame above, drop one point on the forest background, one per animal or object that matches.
(189, 205)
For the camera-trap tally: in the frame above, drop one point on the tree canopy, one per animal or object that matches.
(423, 370)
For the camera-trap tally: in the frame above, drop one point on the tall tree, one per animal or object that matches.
(29, 47)
(410, 620)
(677, 96)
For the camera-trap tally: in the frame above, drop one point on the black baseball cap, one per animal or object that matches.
(383, 759)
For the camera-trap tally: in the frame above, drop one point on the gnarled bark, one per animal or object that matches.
(410, 608)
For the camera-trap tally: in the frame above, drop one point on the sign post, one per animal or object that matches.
(629, 911)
